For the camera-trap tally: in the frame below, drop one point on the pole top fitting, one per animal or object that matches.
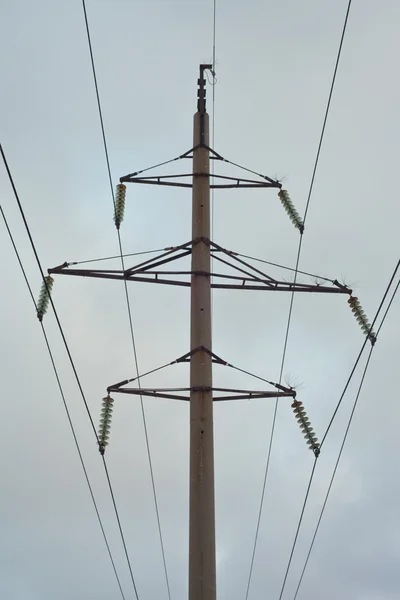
(201, 91)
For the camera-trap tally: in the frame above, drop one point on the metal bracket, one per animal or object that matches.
(216, 359)
(226, 182)
(174, 393)
(217, 181)
(201, 91)
(246, 277)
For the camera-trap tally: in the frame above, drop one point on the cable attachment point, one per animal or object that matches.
(361, 318)
(44, 297)
(290, 209)
(119, 205)
(305, 426)
(105, 423)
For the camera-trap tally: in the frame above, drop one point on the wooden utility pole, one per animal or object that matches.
(202, 569)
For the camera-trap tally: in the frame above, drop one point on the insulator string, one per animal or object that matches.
(361, 318)
(119, 206)
(105, 423)
(44, 296)
(305, 427)
(290, 209)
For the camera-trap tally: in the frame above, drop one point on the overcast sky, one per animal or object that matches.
(274, 66)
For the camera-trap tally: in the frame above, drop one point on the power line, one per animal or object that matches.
(214, 22)
(351, 416)
(361, 351)
(298, 528)
(331, 481)
(272, 427)
(127, 300)
(146, 434)
(341, 448)
(43, 278)
(65, 406)
(390, 304)
(59, 325)
(291, 311)
(120, 526)
(327, 110)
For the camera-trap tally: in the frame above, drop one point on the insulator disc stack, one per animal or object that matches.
(119, 206)
(290, 209)
(105, 423)
(361, 318)
(305, 426)
(44, 297)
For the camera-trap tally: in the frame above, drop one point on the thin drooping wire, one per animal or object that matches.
(361, 351)
(43, 278)
(17, 255)
(59, 326)
(214, 22)
(358, 393)
(97, 96)
(327, 110)
(145, 374)
(127, 298)
(142, 375)
(298, 527)
(333, 476)
(82, 262)
(119, 524)
(248, 170)
(292, 296)
(161, 164)
(145, 430)
(65, 407)
(341, 448)
(389, 306)
(273, 425)
(266, 262)
(250, 374)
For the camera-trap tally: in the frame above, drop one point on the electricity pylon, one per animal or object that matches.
(201, 393)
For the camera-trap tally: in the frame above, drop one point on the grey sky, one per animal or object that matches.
(274, 68)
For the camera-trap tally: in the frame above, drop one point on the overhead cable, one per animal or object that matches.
(292, 297)
(118, 213)
(66, 408)
(342, 446)
(61, 332)
(348, 426)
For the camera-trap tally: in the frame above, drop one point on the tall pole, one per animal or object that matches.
(202, 568)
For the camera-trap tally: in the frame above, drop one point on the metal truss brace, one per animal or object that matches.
(246, 277)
